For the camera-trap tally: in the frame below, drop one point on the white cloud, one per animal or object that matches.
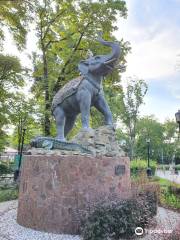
(155, 47)
(173, 84)
(154, 54)
(161, 110)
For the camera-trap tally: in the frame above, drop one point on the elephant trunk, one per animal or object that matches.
(116, 50)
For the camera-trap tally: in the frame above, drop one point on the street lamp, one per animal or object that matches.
(149, 172)
(177, 115)
(17, 172)
(22, 144)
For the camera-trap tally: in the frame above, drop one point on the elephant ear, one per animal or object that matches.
(83, 67)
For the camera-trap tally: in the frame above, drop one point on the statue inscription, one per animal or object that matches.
(120, 170)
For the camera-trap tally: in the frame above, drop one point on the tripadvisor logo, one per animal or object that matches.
(139, 231)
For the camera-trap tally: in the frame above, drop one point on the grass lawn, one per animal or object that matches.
(168, 192)
(7, 194)
(169, 195)
(165, 182)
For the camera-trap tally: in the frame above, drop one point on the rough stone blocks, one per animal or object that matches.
(54, 189)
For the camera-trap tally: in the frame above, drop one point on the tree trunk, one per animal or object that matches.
(131, 149)
(46, 96)
(19, 134)
(132, 141)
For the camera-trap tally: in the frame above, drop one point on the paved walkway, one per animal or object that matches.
(10, 230)
(168, 175)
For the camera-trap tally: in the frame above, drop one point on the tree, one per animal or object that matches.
(170, 143)
(133, 98)
(66, 30)
(11, 78)
(163, 139)
(3, 140)
(23, 116)
(149, 128)
(14, 16)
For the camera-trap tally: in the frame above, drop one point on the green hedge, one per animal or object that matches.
(140, 165)
(177, 167)
(4, 169)
(8, 193)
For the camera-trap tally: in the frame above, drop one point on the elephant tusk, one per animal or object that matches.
(110, 61)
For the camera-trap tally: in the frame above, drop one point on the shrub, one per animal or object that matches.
(119, 219)
(168, 192)
(138, 166)
(169, 199)
(151, 202)
(4, 169)
(174, 189)
(7, 194)
(177, 167)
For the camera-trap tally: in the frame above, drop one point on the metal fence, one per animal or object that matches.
(7, 156)
(10, 161)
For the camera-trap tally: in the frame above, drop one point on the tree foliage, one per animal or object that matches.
(11, 78)
(66, 32)
(163, 140)
(171, 145)
(24, 116)
(132, 99)
(14, 15)
(149, 128)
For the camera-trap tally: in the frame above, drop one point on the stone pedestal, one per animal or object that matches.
(55, 189)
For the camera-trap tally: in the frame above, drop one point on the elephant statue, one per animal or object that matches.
(79, 94)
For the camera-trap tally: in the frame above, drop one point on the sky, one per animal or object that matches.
(153, 30)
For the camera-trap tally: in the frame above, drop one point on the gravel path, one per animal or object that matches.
(166, 223)
(10, 230)
(5, 206)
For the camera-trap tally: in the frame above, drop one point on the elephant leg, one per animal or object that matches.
(85, 104)
(60, 122)
(103, 107)
(69, 124)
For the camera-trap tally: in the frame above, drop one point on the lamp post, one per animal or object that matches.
(177, 115)
(17, 172)
(149, 172)
(22, 144)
